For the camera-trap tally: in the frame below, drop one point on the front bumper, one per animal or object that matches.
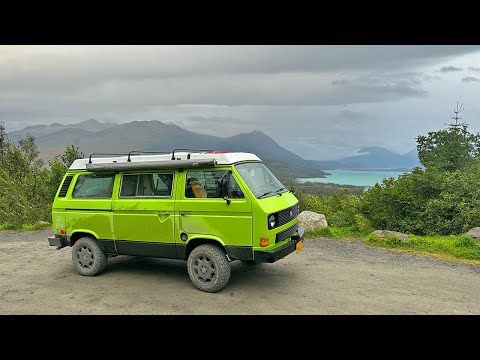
(280, 252)
(60, 241)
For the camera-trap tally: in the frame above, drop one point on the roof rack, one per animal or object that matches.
(139, 152)
(188, 155)
(103, 154)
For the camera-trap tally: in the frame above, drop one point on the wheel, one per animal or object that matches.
(208, 268)
(88, 257)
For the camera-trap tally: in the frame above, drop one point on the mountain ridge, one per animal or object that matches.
(154, 135)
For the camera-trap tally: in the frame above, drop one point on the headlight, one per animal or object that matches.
(271, 221)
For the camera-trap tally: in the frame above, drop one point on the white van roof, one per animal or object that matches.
(184, 158)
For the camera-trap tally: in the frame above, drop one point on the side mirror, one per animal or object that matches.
(224, 183)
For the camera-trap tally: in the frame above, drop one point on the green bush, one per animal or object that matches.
(426, 202)
(339, 209)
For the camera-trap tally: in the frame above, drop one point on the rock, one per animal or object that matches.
(310, 220)
(474, 232)
(383, 234)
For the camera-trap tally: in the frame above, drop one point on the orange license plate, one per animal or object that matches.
(299, 246)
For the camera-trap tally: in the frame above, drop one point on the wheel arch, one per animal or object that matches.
(77, 234)
(195, 241)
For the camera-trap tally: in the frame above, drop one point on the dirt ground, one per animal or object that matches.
(327, 277)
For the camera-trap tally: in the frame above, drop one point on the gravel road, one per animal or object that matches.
(327, 277)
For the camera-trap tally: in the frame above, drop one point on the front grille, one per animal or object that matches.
(287, 215)
(285, 234)
(65, 186)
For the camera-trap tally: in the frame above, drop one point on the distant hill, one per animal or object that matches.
(38, 131)
(370, 158)
(94, 137)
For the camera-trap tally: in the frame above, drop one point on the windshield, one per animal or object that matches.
(260, 180)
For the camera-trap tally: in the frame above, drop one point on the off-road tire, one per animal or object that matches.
(88, 257)
(208, 268)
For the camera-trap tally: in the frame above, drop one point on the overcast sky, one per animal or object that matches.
(321, 102)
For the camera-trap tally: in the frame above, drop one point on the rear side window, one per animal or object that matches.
(65, 186)
(147, 185)
(94, 186)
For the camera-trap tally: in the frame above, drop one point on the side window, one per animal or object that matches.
(147, 185)
(234, 191)
(94, 186)
(211, 184)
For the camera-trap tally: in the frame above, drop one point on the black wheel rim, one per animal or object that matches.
(204, 269)
(85, 257)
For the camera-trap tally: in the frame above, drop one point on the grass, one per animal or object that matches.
(333, 232)
(455, 246)
(28, 227)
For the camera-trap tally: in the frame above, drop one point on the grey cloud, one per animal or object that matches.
(445, 69)
(352, 115)
(473, 68)
(431, 77)
(470, 79)
(55, 79)
(45, 84)
(340, 82)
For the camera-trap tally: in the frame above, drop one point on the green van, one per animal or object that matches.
(206, 207)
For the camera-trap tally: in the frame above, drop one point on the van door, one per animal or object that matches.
(203, 212)
(143, 215)
(89, 207)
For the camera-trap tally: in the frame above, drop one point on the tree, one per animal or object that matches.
(450, 149)
(3, 139)
(23, 190)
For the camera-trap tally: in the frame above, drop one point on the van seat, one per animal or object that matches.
(197, 188)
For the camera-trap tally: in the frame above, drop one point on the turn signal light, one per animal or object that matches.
(263, 242)
(63, 232)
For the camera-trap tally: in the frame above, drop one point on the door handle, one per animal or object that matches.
(164, 213)
(183, 213)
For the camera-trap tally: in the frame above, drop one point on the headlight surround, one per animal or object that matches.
(272, 221)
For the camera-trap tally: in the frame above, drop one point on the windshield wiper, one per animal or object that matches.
(268, 192)
(272, 192)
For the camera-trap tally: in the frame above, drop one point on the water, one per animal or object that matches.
(352, 177)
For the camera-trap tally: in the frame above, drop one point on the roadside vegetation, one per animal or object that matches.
(27, 185)
(455, 246)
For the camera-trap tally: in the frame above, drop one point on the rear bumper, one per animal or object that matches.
(59, 241)
(280, 252)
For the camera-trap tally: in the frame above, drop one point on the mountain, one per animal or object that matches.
(94, 137)
(258, 142)
(374, 157)
(38, 131)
